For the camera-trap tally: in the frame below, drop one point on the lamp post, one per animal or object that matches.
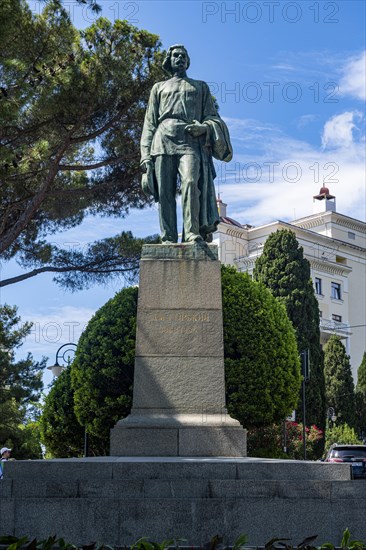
(305, 371)
(56, 370)
(331, 416)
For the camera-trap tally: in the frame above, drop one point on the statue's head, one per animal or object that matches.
(173, 50)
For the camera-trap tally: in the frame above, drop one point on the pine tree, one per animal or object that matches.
(72, 105)
(283, 269)
(339, 382)
(20, 386)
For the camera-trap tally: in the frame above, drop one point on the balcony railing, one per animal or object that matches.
(334, 326)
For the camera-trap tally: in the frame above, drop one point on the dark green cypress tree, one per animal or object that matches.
(361, 376)
(339, 386)
(361, 398)
(283, 269)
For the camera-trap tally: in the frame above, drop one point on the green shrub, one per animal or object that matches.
(102, 372)
(342, 434)
(216, 543)
(262, 367)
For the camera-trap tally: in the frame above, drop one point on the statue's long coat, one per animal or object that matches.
(173, 104)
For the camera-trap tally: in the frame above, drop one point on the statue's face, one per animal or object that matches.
(178, 60)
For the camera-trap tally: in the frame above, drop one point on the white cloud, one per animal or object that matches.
(353, 81)
(317, 68)
(338, 130)
(284, 67)
(54, 327)
(280, 180)
(304, 120)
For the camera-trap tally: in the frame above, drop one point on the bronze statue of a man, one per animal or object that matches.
(182, 132)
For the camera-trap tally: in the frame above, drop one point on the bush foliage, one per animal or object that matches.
(261, 361)
(261, 364)
(341, 434)
(61, 433)
(102, 372)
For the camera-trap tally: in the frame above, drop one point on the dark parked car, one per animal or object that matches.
(354, 454)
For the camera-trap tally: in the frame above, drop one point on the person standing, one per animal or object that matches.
(5, 455)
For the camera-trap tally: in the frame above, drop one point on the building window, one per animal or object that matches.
(335, 291)
(318, 286)
(337, 318)
(351, 235)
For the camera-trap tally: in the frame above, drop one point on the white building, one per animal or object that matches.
(335, 246)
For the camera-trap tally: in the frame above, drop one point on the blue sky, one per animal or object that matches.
(289, 78)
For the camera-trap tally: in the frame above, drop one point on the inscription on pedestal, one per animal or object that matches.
(191, 317)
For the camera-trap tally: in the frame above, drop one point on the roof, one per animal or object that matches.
(230, 221)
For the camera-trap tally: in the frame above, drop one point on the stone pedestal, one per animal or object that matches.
(179, 388)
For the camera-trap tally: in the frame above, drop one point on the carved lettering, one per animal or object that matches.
(191, 317)
(178, 330)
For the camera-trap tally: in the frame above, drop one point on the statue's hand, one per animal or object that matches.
(196, 129)
(145, 165)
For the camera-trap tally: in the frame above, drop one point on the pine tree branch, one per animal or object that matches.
(98, 132)
(37, 200)
(65, 269)
(107, 162)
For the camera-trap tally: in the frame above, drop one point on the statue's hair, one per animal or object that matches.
(167, 64)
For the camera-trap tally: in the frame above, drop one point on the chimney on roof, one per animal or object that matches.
(324, 202)
(221, 207)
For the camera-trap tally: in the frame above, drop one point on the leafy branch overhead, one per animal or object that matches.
(71, 110)
(81, 269)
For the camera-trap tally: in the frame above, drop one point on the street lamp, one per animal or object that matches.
(331, 415)
(305, 371)
(56, 369)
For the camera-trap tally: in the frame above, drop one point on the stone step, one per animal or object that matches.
(172, 468)
(117, 500)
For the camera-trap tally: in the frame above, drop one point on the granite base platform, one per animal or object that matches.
(116, 500)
